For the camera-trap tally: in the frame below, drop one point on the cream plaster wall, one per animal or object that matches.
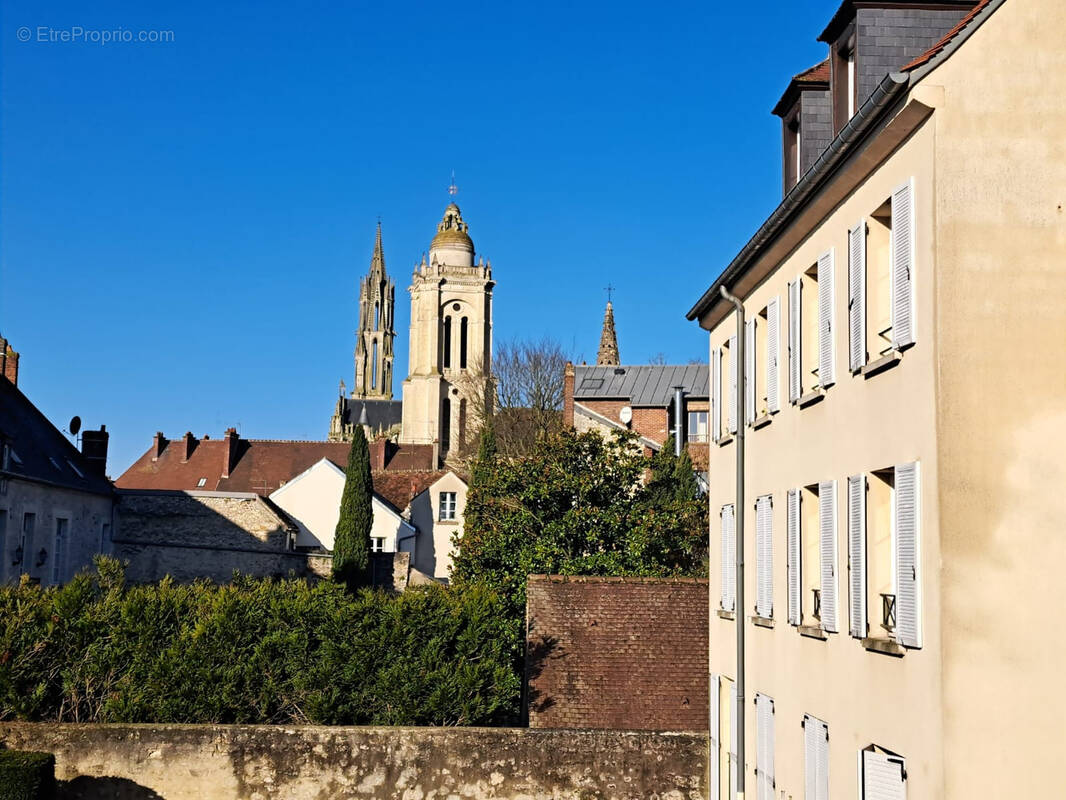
(435, 549)
(861, 424)
(1001, 410)
(313, 500)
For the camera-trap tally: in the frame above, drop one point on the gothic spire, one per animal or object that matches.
(377, 261)
(608, 355)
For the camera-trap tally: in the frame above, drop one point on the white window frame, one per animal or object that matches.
(447, 506)
(377, 544)
(60, 545)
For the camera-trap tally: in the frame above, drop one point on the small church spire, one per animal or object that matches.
(377, 261)
(608, 354)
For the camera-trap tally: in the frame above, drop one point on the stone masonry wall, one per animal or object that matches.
(229, 762)
(620, 653)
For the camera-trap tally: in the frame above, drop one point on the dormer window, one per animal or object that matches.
(791, 158)
(845, 82)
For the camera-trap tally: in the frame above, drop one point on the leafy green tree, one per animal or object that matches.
(351, 542)
(485, 462)
(577, 506)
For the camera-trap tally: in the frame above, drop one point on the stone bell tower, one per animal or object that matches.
(451, 341)
(374, 339)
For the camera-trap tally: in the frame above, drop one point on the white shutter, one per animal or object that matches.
(908, 555)
(826, 374)
(764, 556)
(773, 352)
(815, 758)
(716, 393)
(749, 370)
(857, 296)
(794, 339)
(764, 747)
(827, 522)
(733, 383)
(729, 558)
(883, 776)
(716, 722)
(857, 555)
(903, 266)
(793, 557)
(733, 741)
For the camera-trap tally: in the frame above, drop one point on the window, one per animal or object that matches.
(761, 355)
(59, 550)
(810, 340)
(811, 556)
(723, 767)
(724, 389)
(815, 758)
(446, 424)
(791, 160)
(447, 344)
(201, 483)
(844, 83)
(77, 471)
(764, 747)
(764, 557)
(377, 315)
(729, 559)
(882, 774)
(377, 544)
(374, 364)
(880, 280)
(105, 536)
(55, 463)
(462, 343)
(697, 426)
(29, 523)
(883, 555)
(5, 556)
(447, 505)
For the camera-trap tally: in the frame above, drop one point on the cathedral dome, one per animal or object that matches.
(452, 232)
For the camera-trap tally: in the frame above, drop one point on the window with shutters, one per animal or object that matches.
(764, 747)
(810, 557)
(765, 342)
(723, 391)
(815, 758)
(879, 282)
(883, 558)
(728, 559)
(764, 557)
(59, 548)
(810, 339)
(809, 343)
(882, 774)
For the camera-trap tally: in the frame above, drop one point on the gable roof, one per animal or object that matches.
(400, 488)
(815, 78)
(333, 469)
(846, 13)
(643, 385)
(946, 40)
(42, 452)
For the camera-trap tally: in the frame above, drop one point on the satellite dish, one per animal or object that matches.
(626, 415)
(75, 425)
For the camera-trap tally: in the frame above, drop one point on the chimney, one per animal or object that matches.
(377, 453)
(9, 362)
(229, 451)
(159, 444)
(94, 448)
(568, 394)
(188, 442)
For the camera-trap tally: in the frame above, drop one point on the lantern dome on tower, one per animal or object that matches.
(452, 234)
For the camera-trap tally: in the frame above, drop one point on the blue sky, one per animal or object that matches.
(183, 224)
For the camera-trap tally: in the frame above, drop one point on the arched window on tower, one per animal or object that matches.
(377, 315)
(374, 366)
(447, 342)
(462, 343)
(445, 424)
(462, 422)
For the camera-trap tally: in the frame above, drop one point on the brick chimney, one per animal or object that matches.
(377, 453)
(9, 362)
(229, 451)
(188, 444)
(94, 448)
(568, 395)
(159, 444)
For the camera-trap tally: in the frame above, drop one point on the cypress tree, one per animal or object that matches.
(486, 455)
(351, 542)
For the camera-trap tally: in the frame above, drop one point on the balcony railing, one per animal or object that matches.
(888, 612)
(817, 604)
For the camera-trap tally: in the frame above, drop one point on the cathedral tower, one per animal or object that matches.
(451, 341)
(374, 339)
(608, 354)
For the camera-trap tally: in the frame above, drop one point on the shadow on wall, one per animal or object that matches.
(87, 788)
(538, 653)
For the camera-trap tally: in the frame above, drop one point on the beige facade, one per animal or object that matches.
(963, 687)
(438, 514)
(451, 340)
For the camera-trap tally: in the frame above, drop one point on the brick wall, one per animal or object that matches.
(619, 653)
(649, 422)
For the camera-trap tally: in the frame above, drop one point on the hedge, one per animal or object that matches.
(26, 776)
(254, 651)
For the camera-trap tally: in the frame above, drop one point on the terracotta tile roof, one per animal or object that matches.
(263, 465)
(937, 48)
(816, 77)
(819, 73)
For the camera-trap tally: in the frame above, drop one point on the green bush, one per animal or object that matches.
(26, 776)
(254, 651)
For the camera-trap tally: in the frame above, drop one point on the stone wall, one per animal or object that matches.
(192, 762)
(619, 653)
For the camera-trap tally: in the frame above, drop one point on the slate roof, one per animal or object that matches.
(642, 385)
(380, 414)
(937, 48)
(43, 453)
(263, 465)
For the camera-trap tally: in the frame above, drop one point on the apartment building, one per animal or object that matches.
(903, 413)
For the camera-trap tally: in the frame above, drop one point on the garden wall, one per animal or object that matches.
(229, 762)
